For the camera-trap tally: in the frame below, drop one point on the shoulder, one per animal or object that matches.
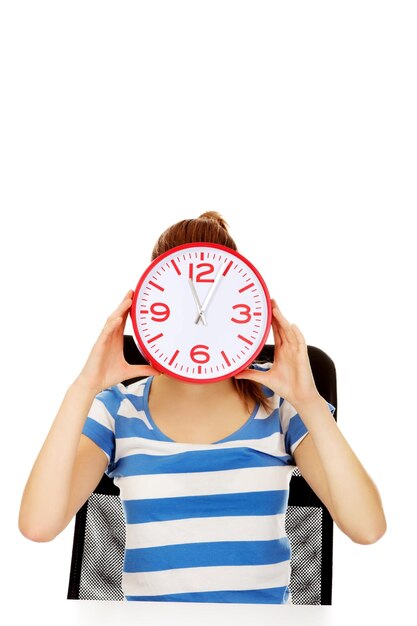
(116, 396)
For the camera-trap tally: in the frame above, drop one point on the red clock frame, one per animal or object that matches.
(156, 364)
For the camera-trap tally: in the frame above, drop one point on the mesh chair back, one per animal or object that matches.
(100, 534)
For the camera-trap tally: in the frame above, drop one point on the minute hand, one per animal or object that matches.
(210, 293)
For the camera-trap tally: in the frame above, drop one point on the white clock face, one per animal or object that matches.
(201, 312)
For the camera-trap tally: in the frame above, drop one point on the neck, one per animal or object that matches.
(198, 391)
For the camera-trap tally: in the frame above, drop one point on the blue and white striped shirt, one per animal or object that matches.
(204, 522)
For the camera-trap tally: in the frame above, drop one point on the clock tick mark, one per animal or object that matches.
(157, 286)
(175, 266)
(174, 356)
(228, 267)
(225, 358)
(245, 339)
(246, 287)
(155, 338)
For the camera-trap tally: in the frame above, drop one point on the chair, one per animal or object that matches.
(99, 532)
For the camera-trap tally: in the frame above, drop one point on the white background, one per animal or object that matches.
(297, 122)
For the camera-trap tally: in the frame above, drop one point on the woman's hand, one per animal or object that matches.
(290, 375)
(106, 365)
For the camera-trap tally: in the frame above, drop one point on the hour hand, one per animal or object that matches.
(197, 302)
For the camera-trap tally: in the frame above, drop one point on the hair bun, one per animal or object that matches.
(213, 215)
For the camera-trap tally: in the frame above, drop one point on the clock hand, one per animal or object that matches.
(197, 301)
(211, 291)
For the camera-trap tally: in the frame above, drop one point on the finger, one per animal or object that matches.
(127, 297)
(276, 333)
(278, 338)
(250, 374)
(110, 326)
(123, 306)
(141, 370)
(287, 330)
(279, 331)
(300, 337)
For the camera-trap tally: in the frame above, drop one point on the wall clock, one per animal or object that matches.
(201, 312)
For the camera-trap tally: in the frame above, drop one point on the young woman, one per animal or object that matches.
(203, 469)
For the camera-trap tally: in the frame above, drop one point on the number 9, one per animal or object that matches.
(160, 312)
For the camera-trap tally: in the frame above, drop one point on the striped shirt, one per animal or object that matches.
(204, 522)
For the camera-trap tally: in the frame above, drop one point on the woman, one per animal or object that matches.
(203, 469)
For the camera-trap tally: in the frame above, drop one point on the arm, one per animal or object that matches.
(70, 465)
(335, 474)
(324, 457)
(48, 492)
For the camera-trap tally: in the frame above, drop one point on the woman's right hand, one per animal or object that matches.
(106, 365)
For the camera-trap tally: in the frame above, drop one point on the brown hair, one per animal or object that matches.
(210, 227)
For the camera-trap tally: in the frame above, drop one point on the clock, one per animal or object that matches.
(201, 312)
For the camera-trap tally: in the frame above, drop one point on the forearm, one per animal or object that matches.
(355, 498)
(45, 497)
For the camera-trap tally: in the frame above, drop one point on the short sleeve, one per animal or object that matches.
(293, 427)
(100, 426)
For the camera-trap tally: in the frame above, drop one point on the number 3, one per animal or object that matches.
(245, 313)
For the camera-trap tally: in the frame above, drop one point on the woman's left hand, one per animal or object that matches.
(290, 375)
